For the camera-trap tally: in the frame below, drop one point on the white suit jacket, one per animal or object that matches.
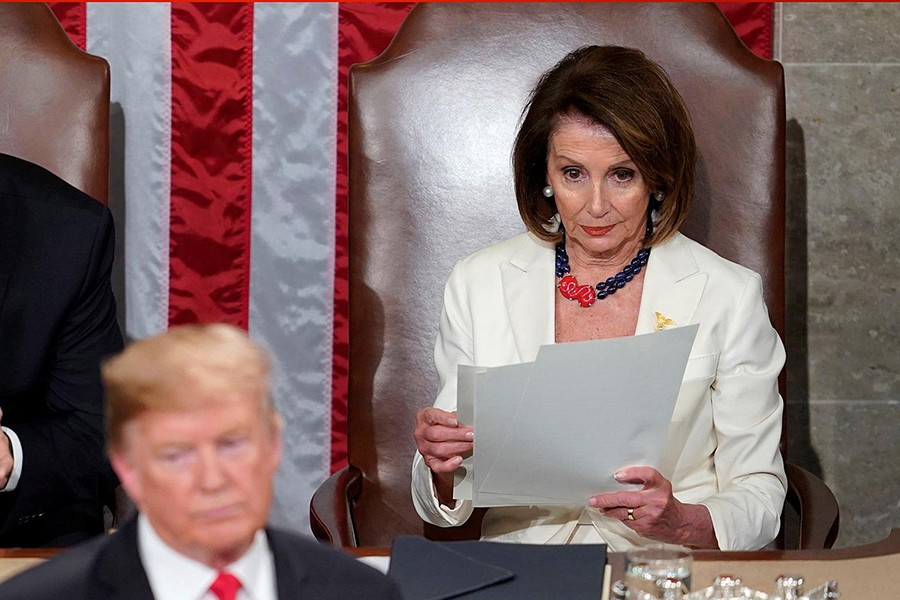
(722, 447)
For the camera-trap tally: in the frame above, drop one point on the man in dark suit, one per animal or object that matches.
(195, 440)
(57, 321)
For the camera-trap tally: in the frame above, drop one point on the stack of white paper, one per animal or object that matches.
(556, 430)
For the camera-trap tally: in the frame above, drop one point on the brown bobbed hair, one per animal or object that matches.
(629, 94)
(185, 367)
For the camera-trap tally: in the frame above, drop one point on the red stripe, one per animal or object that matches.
(209, 237)
(73, 18)
(754, 23)
(364, 31)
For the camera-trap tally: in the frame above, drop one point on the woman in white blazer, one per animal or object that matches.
(604, 172)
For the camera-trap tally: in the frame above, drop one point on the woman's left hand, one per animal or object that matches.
(655, 513)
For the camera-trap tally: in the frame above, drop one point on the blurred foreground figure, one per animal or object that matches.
(195, 440)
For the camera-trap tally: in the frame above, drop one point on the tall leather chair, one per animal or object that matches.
(432, 122)
(54, 99)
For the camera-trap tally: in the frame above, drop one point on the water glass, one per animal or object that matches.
(657, 572)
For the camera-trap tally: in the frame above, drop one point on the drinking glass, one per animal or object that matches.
(657, 572)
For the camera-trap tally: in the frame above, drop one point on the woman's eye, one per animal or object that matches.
(572, 174)
(622, 175)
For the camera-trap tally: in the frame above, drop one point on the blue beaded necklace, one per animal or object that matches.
(568, 284)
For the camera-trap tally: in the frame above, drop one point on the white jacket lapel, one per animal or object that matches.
(528, 285)
(673, 286)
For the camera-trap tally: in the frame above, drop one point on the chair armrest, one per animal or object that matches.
(816, 505)
(330, 515)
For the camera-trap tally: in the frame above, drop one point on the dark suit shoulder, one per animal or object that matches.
(44, 221)
(64, 576)
(39, 190)
(323, 572)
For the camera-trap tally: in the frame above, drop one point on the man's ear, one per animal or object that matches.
(128, 476)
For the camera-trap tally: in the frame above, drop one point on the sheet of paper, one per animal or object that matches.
(554, 431)
(464, 477)
(505, 386)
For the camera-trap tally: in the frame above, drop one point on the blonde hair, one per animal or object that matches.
(184, 367)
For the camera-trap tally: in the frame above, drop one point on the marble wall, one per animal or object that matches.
(842, 73)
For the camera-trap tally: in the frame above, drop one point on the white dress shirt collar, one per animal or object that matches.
(173, 576)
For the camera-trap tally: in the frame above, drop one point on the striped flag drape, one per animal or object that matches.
(229, 184)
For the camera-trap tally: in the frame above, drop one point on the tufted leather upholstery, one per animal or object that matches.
(54, 99)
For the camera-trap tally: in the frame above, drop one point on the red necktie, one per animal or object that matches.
(225, 586)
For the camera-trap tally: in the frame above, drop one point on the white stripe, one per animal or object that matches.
(292, 244)
(135, 39)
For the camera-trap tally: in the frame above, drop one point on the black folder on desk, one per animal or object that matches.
(427, 570)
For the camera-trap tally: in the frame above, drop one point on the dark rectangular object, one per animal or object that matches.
(428, 570)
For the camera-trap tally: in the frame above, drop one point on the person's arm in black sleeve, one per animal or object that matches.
(65, 477)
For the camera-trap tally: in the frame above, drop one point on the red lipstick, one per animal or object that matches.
(597, 231)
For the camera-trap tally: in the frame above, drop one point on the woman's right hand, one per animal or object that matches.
(442, 441)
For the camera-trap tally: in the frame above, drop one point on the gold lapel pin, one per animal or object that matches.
(662, 321)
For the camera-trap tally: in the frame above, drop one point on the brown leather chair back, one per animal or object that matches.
(432, 122)
(54, 99)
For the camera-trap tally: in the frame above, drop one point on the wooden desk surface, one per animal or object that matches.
(862, 572)
(869, 571)
(15, 560)
(889, 545)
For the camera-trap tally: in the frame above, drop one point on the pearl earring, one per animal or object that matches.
(548, 191)
(658, 196)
